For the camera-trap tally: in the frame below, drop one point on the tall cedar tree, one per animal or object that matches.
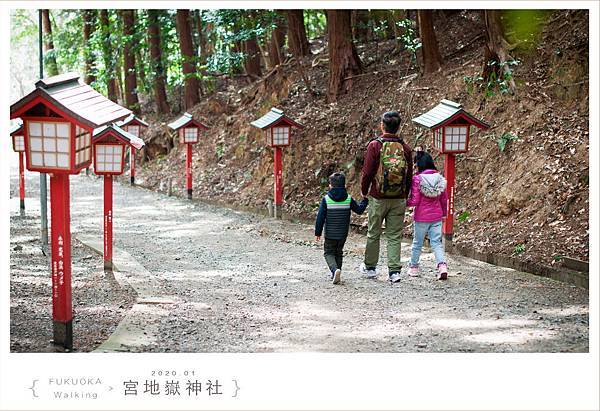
(496, 49)
(156, 64)
(107, 54)
(252, 60)
(276, 42)
(432, 61)
(343, 58)
(88, 29)
(131, 97)
(192, 96)
(51, 66)
(297, 40)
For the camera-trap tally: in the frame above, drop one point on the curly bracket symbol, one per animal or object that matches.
(32, 388)
(237, 388)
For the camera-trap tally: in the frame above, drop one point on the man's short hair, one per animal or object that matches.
(337, 179)
(391, 121)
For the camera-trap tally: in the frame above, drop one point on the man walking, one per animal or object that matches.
(386, 178)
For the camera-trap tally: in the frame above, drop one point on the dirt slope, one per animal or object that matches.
(530, 200)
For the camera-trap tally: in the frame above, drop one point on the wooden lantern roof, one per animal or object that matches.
(112, 130)
(69, 97)
(445, 113)
(17, 128)
(274, 118)
(186, 120)
(132, 119)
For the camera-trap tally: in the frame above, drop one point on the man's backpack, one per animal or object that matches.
(391, 174)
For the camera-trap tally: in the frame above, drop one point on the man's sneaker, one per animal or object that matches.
(336, 276)
(368, 272)
(413, 271)
(395, 276)
(442, 271)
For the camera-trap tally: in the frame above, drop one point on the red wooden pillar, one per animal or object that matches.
(277, 172)
(108, 222)
(21, 182)
(188, 171)
(62, 311)
(449, 173)
(132, 164)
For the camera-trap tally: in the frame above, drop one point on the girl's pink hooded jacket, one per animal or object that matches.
(428, 196)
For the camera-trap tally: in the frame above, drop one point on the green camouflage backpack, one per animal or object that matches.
(391, 174)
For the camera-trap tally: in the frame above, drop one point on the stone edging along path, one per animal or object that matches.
(135, 330)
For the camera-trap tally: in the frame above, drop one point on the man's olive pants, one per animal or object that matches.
(392, 211)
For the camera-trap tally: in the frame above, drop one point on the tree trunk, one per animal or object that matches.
(192, 97)
(109, 58)
(51, 66)
(496, 49)
(252, 59)
(297, 40)
(343, 58)
(131, 97)
(432, 61)
(276, 43)
(88, 28)
(156, 64)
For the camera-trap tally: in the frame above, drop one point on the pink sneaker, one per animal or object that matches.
(442, 271)
(413, 271)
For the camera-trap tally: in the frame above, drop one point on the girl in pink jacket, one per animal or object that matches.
(428, 196)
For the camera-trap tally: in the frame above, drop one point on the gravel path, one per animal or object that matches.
(242, 283)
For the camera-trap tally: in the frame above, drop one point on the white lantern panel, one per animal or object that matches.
(63, 160)
(135, 130)
(50, 159)
(49, 144)
(109, 158)
(62, 130)
(35, 144)
(62, 145)
(190, 135)
(37, 159)
(281, 136)
(19, 143)
(35, 129)
(49, 129)
(456, 138)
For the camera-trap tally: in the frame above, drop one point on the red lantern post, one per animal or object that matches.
(110, 143)
(134, 126)
(57, 125)
(450, 125)
(18, 139)
(277, 129)
(189, 133)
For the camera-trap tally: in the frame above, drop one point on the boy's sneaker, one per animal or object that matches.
(442, 271)
(336, 276)
(368, 272)
(413, 271)
(395, 276)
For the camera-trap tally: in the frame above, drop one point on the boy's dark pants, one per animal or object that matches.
(334, 251)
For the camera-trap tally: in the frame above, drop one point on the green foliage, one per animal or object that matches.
(220, 150)
(519, 249)
(504, 139)
(524, 28)
(494, 84)
(464, 216)
(408, 38)
(315, 22)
